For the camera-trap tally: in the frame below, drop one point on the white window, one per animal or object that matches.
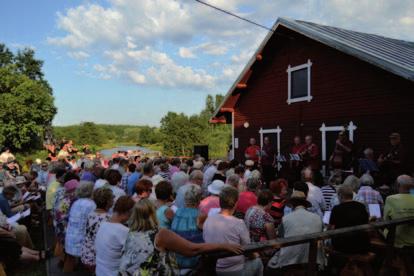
(299, 83)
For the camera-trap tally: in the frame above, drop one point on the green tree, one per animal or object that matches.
(28, 65)
(90, 133)
(148, 135)
(6, 56)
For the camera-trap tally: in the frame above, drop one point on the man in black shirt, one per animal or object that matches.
(349, 213)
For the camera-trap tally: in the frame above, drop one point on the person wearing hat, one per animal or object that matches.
(212, 201)
(392, 164)
(299, 222)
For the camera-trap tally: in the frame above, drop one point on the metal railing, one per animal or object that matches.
(210, 260)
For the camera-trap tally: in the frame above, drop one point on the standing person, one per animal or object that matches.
(103, 199)
(43, 175)
(315, 196)
(252, 152)
(392, 164)
(310, 154)
(225, 228)
(268, 161)
(132, 179)
(78, 218)
(342, 155)
(111, 237)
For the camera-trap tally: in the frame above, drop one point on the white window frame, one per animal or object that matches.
(276, 130)
(290, 69)
(350, 128)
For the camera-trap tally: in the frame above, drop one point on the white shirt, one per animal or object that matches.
(118, 192)
(315, 197)
(109, 242)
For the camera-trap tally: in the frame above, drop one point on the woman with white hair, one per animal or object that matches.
(366, 193)
(78, 218)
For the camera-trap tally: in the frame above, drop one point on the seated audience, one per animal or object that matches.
(279, 189)
(188, 223)
(78, 218)
(212, 201)
(165, 214)
(315, 196)
(349, 213)
(258, 221)
(196, 178)
(221, 172)
(143, 189)
(111, 237)
(366, 193)
(248, 198)
(298, 222)
(103, 199)
(401, 205)
(114, 178)
(225, 228)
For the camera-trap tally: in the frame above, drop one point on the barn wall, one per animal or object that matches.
(344, 89)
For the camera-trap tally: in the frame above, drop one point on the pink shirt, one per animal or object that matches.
(246, 200)
(208, 203)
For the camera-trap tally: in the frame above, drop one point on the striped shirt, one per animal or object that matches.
(328, 191)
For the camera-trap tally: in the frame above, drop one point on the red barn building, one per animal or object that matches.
(307, 78)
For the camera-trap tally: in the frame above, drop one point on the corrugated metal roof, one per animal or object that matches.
(396, 56)
(393, 55)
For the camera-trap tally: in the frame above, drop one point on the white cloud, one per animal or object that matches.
(79, 55)
(186, 52)
(137, 39)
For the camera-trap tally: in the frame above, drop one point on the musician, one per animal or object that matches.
(297, 148)
(342, 155)
(268, 161)
(392, 163)
(252, 152)
(310, 154)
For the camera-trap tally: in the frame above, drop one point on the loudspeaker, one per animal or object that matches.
(202, 150)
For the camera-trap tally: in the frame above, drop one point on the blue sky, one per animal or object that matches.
(130, 62)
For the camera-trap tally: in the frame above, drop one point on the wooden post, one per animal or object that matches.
(208, 267)
(312, 257)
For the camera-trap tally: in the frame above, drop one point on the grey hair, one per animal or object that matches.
(192, 196)
(196, 175)
(353, 182)
(179, 179)
(368, 151)
(233, 180)
(184, 167)
(366, 180)
(344, 191)
(253, 183)
(84, 190)
(405, 180)
(255, 174)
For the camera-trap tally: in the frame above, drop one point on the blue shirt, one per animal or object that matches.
(5, 206)
(132, 180)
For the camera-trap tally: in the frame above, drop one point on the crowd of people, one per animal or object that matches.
(131, 215)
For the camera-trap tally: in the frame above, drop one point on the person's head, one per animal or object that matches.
(88, 165)
(9, 192)
(366, 180)
(239, 170)
(124, 163)
(104, 198)
(228, 198)
(179, 179)
(308, 139)
(353, 182)
(184, 167)
(342, 136)
(59, 172)
(298, 198)
(164, 167)
(143, 216)
(84, 190)
(132, 167)
(113, 177)
(265, 198)
(164, 191)
(336, 178)
(123, 207)
(307, 175)
(71, 185)
(196, 177)
(192, 196)
(297, 140)
(345, 193)
(405, 183)
(369, 153)
(175, 162)
(197, 165)
(148, 169)
(233, 180)
(233, 163)
(116, 160)
(70, 175)
(279, 187)
(301, 186)
(6, 150)
(253, 184)
(44, 166)
(215, 187)
(252, 141)
(266, 140)
(395, 139)
(222, 166)
(249, 164)
(143, 188)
